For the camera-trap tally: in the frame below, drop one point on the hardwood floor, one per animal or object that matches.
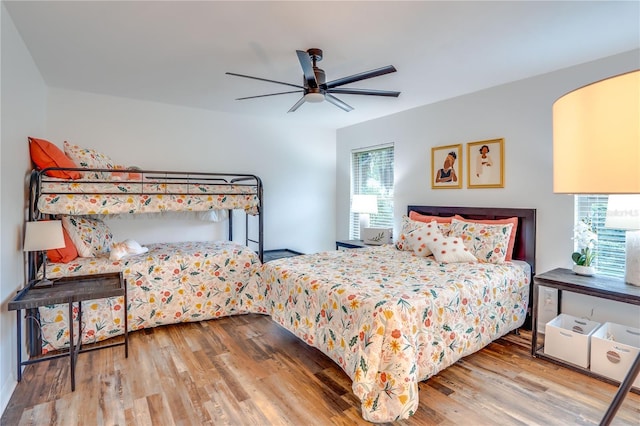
(246, 370)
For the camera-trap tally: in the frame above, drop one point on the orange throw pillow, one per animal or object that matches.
(44, 154)
(427, 219)
(65, 254)
(512, 237)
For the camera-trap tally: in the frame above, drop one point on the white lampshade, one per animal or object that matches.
(364, 204)
(43, 235)
(596, 138)
(623, 212)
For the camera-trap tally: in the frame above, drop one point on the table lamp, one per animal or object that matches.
(596, 150)
(364, 205)
(41, 236)
(596, 143)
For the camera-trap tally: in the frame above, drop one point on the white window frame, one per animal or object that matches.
(372, 181)
(610, 249)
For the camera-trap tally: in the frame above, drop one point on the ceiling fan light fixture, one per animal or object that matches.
(314, 98)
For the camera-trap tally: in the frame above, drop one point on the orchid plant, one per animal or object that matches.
(586, 239)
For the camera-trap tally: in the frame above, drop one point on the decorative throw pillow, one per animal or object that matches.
(512, 237)
(409, 226)
(450, 250)
(488, 243)
(421, 236)
(91, 237)
(90, 159)
(65, 254)
(45, 154)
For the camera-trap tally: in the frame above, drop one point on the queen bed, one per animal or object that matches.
(392, 317)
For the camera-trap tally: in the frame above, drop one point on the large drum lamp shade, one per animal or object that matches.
(596, 138)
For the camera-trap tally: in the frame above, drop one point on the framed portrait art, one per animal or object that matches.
(485, 164)
(446, 171)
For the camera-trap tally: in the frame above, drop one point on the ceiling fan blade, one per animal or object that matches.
(361, 76)
(264, 79)
(270, 94)
(364, 92)
(307, 68)
(337, 102)
(297, 105)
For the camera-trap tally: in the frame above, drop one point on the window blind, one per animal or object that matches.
(372, 174)
(610, 249)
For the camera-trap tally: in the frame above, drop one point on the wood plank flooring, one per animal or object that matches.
(246, 370)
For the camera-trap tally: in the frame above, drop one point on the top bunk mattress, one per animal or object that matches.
(116, 192)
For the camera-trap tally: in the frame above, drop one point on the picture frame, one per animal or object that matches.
(445, 175)
(485, 164)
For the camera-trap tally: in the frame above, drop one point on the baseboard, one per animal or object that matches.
(6, 391)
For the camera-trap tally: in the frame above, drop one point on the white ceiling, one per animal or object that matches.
(177, 52)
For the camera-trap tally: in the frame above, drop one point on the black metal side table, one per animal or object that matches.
(70, 290)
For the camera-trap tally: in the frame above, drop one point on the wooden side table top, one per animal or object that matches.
(597, 285)
(70, 289)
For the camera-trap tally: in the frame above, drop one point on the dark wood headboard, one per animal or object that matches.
(525, 243)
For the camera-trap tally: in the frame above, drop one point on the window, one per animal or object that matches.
(610, 249)
(372, 174)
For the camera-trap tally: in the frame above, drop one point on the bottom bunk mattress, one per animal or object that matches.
(391, 319)
(171, 283)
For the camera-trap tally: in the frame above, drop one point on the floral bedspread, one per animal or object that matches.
(70, 197)
(391, 319)
(171, 283)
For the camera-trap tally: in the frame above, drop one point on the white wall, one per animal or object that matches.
(297, 166)
(23, 114)
(519, 112)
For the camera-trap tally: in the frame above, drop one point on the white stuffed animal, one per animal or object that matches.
(126, 248)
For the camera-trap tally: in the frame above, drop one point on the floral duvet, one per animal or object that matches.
(391, 319)
(171, 283)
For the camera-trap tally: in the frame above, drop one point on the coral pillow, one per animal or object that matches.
(512, 236)
(44, 154)
(65, 254)
(450, 250)
(91, 237)
(426, 218)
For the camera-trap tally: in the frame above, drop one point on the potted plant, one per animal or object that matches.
(586, 239)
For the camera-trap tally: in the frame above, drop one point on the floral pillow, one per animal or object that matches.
(488, 243)
(450, 250)
(91, 237)
(90, 159)
(404, 241)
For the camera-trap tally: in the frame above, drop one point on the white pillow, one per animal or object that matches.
(419, 237)
(450, 250)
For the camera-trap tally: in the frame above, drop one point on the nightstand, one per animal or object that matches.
(70, 290)
(349, 244)
(596, 286)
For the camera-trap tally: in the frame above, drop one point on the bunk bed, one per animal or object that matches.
(391, 316)
(169, 283)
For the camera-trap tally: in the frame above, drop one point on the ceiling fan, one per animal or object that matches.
(316, 89)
